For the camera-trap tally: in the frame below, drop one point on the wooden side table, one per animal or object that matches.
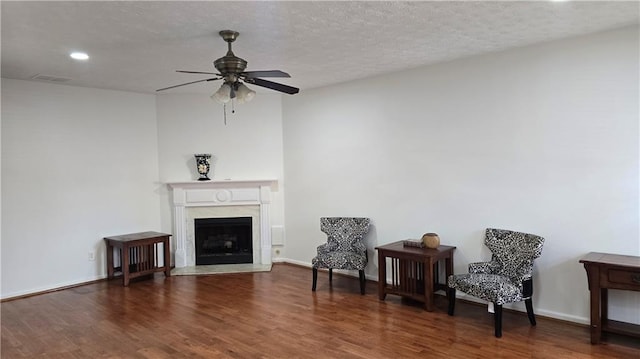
(139, 254)
(610, 271)
(412, 271)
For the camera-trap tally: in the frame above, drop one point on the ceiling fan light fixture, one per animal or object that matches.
(244, 93)
(223, 95)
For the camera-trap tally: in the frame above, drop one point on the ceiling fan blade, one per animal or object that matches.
(188, 83)
(269, 73)
(273, 85)
(197, 72)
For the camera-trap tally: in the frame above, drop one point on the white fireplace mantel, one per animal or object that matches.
(220, 194)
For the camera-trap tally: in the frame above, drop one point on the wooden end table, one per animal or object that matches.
(139, 254)
(610, 271)
(412, 271)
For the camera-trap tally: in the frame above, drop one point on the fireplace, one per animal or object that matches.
(223, 240)
(218, 200)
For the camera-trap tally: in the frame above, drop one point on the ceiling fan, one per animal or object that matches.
(232, 71)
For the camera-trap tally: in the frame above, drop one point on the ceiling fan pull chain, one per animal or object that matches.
(224, 109)
(233, 106)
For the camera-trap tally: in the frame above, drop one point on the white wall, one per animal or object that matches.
(249, 146)
(541, 139)
(78, 164)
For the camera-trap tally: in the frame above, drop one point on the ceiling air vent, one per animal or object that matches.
(48, 78)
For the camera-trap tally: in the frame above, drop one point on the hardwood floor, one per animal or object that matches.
(274, 315)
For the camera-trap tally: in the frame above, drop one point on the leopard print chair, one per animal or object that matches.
(344, 248)
(506, 278)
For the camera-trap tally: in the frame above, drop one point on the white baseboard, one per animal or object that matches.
(296, 262)
(53, 287)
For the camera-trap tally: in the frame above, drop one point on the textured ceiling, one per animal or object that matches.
(137, 46)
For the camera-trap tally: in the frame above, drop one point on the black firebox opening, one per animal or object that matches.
(223, 240)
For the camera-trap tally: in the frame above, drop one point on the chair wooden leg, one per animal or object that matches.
(498, 319)
(315, 279)
(330, 275)
(363, 281)
(530, 314)
(452, 300)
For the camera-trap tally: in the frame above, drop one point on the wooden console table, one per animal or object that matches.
(610, 271)
(412, 271)
(139, 254)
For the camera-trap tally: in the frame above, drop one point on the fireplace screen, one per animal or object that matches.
(223, 240)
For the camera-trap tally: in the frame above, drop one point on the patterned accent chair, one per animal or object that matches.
(507, 278)
(344, 248)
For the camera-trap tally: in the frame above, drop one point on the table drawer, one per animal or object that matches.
(626, 277)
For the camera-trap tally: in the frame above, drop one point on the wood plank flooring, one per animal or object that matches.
(274, 315)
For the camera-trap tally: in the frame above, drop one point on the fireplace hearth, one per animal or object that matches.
(223, 240)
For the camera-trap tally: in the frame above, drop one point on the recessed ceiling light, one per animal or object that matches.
(79, 56)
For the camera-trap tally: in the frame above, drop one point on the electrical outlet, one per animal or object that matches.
(92, 256)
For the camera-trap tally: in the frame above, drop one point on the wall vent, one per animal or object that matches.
(48, 78)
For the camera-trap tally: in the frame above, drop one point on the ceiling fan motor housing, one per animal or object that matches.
(230, 65)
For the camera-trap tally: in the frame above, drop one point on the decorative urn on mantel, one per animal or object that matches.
(203, 164)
